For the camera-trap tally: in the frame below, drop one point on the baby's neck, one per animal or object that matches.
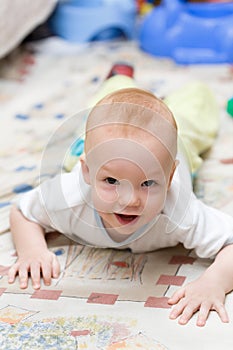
(116, 236)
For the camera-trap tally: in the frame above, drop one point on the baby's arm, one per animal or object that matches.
(34, 257)
(207, 292)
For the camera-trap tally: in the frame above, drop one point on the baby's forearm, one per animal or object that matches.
(221, 270)
(34, 257)
(27, 235)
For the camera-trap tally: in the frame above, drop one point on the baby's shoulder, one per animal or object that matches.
(65, 191)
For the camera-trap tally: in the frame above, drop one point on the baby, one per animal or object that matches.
(130, 189)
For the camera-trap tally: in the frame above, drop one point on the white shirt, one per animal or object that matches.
(64, 204)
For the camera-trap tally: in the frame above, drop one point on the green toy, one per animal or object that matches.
(230, 106)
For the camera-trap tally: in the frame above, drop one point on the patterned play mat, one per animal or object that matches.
(104, 299)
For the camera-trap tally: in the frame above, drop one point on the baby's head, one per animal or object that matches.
(130, 148)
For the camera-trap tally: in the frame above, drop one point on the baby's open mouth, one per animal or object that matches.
(126, 219)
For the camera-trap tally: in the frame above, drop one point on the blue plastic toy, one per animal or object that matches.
(189, 32)
(88, 20)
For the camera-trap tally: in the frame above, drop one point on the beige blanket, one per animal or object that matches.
(18, 18)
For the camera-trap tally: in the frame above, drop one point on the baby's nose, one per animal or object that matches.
(128, 196)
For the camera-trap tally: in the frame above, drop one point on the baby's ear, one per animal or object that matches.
(175, 164)
(85, 170)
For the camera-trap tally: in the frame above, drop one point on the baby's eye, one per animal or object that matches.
(148, 183)
(112, 181)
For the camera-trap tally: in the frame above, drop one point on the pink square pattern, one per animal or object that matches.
(171, 280)
(83, 332)
(180, 259)
(101, 298)
(160, 303)
(46, 294)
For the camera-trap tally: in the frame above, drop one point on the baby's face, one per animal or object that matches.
(129, 178)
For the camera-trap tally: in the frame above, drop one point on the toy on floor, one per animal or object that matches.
(89, 20)
(230, 106)
(189, 32)
(145, 6)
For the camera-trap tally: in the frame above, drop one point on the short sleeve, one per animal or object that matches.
(32, 208)
(211, 230)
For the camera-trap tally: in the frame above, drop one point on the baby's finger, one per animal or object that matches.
(203, 314)
(177, 310)
(55, 267)
(35, 274)
(188, 312)
(220, 308)
(23, 277)
(46, 270)
(13, 271)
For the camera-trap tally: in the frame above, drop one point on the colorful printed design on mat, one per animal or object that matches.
(104, 264)
(13, 315)
(139, 341)
(83, 268)
(75, 333)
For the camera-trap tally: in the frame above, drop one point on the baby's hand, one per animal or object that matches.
(198, 295)
(36, 264)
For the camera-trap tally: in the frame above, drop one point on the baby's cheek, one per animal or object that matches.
(105, 199)
(155, 204)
